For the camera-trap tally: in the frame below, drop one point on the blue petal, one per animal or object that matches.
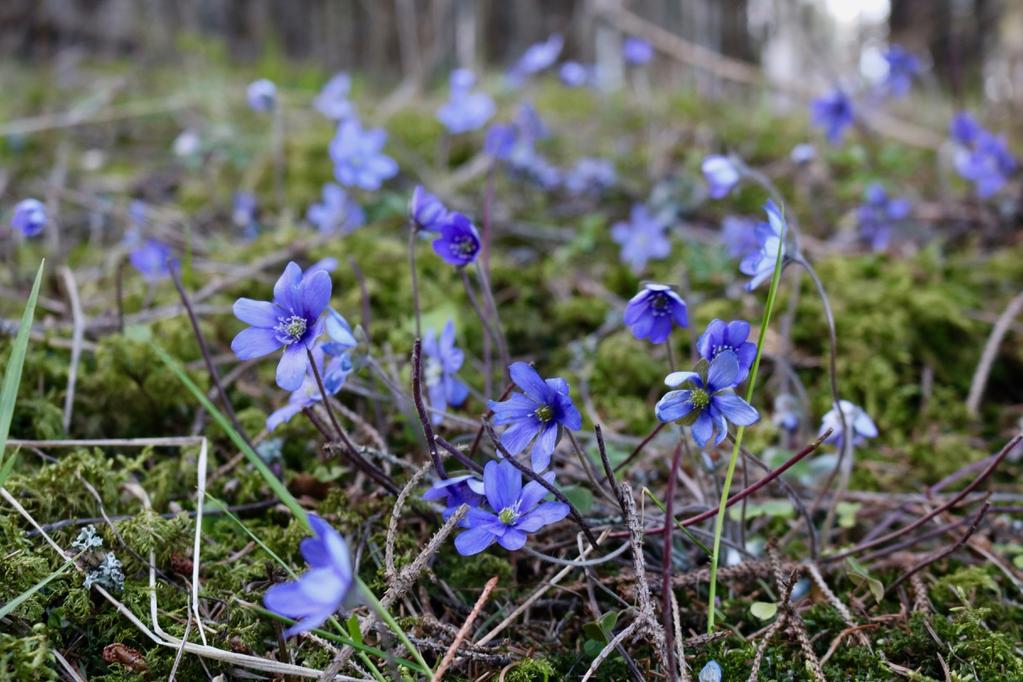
(292, 367)
(254, 342)
(512, 540)
(503, 484)
(255, 313)
(724, 371)
(474, 541)
(543, 448)
(673, 405)
(735, 409)
(529, 380)
(517, 436)
(287, 286)
(544, 514)
(703, 428)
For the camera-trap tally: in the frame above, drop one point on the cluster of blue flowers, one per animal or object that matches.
(981, 157)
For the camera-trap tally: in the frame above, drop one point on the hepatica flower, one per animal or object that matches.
(637, 51)
(653, 312)
(359, 160)
(538, 412)
(770, 237)
(536, 58)
(456, 491)
(332, 101)
(721, 337)
(739, 235)
(29, 217)
(642, 238)
(243, 212)
(722, 175)
(466, 110)
(291, 321)
(576, 75)
(707, 402)
(262, 95)
(443, 360)
(590, 176)
(879, 213)
(308, 394)
(152, 259)
(320, 591)
(833, 113)
(981, 157)
(514, 511)
(337, 212)
(426, 211)
(459, 241)
(903, 66)
(856, 419)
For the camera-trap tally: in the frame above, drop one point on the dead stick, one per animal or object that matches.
(463, 631)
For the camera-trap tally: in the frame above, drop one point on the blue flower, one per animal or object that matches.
(459, 241)
(358, 156)
(721, 174)
(538, 412)
(710, 672)
(637, 51)
(787, 412)
(320, 591)
(456, 491)
(590, 176)
(499, 141)
(516, 511)
(308, 394)
(340, 338)
(337, 212)
(262, 95)
(720, 337)
(770, 235)
(536, 58)
(902, 67)
(426, 210)
(652, 312)
(642, 238)
(834, 113)
(981, 157)
(29, 217)
(466, 110)
(879, 213)
(152, 259)
(862, 425)
(332, 101)
(443, 360)
(576, 75)
(710, 402)
(243, 212)
(739, 235)
(802, 153)
(291, 321)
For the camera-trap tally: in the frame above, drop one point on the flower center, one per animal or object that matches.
(289, 330)
(508, 515)
(721, 347)
(544, 413)
(433, 372)
(699, 399)
(463, 246)
(659, 305)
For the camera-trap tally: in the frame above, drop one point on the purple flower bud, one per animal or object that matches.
(637, 51)
(721, 174)
(653, 312)
(29, 217)
(426, 210)
(262, 95)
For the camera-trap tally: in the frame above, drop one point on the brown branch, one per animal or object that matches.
(463, 631)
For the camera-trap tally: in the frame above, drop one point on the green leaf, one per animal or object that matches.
(10, 606)
(847, 513)
(764, 610)
(860, 576)
(12, 373)
(581, 498)
(781, 509)
(608, 622)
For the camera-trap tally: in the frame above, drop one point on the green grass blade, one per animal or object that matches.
(12, 373)
(10, 606)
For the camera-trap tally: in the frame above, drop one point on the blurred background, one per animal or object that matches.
(971, 47)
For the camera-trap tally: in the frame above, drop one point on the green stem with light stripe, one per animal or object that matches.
(719, 522)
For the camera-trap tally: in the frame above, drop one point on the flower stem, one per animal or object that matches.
(385, 616)
(719, 522)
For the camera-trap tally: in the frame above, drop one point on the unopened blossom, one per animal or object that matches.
(425, 210)
(337, 212)
(770, 236)
(722, 175)
(29, 217)
(152, 258)
(637, 51)
(459, 240)
(511, 512)
(290, 321)
(359, 160)
(442, 362)
(466, 110)
(720, 337)
(879, 213)
(332, 100)
(262, 95)
(653, 312)
(455, 491)
(642, 238)
(833, 113)
(536, 58)
(710, 672)
(859, 422)
(319, 592)
(707, 403)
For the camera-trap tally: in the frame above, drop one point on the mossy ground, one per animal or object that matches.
(923, 310)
